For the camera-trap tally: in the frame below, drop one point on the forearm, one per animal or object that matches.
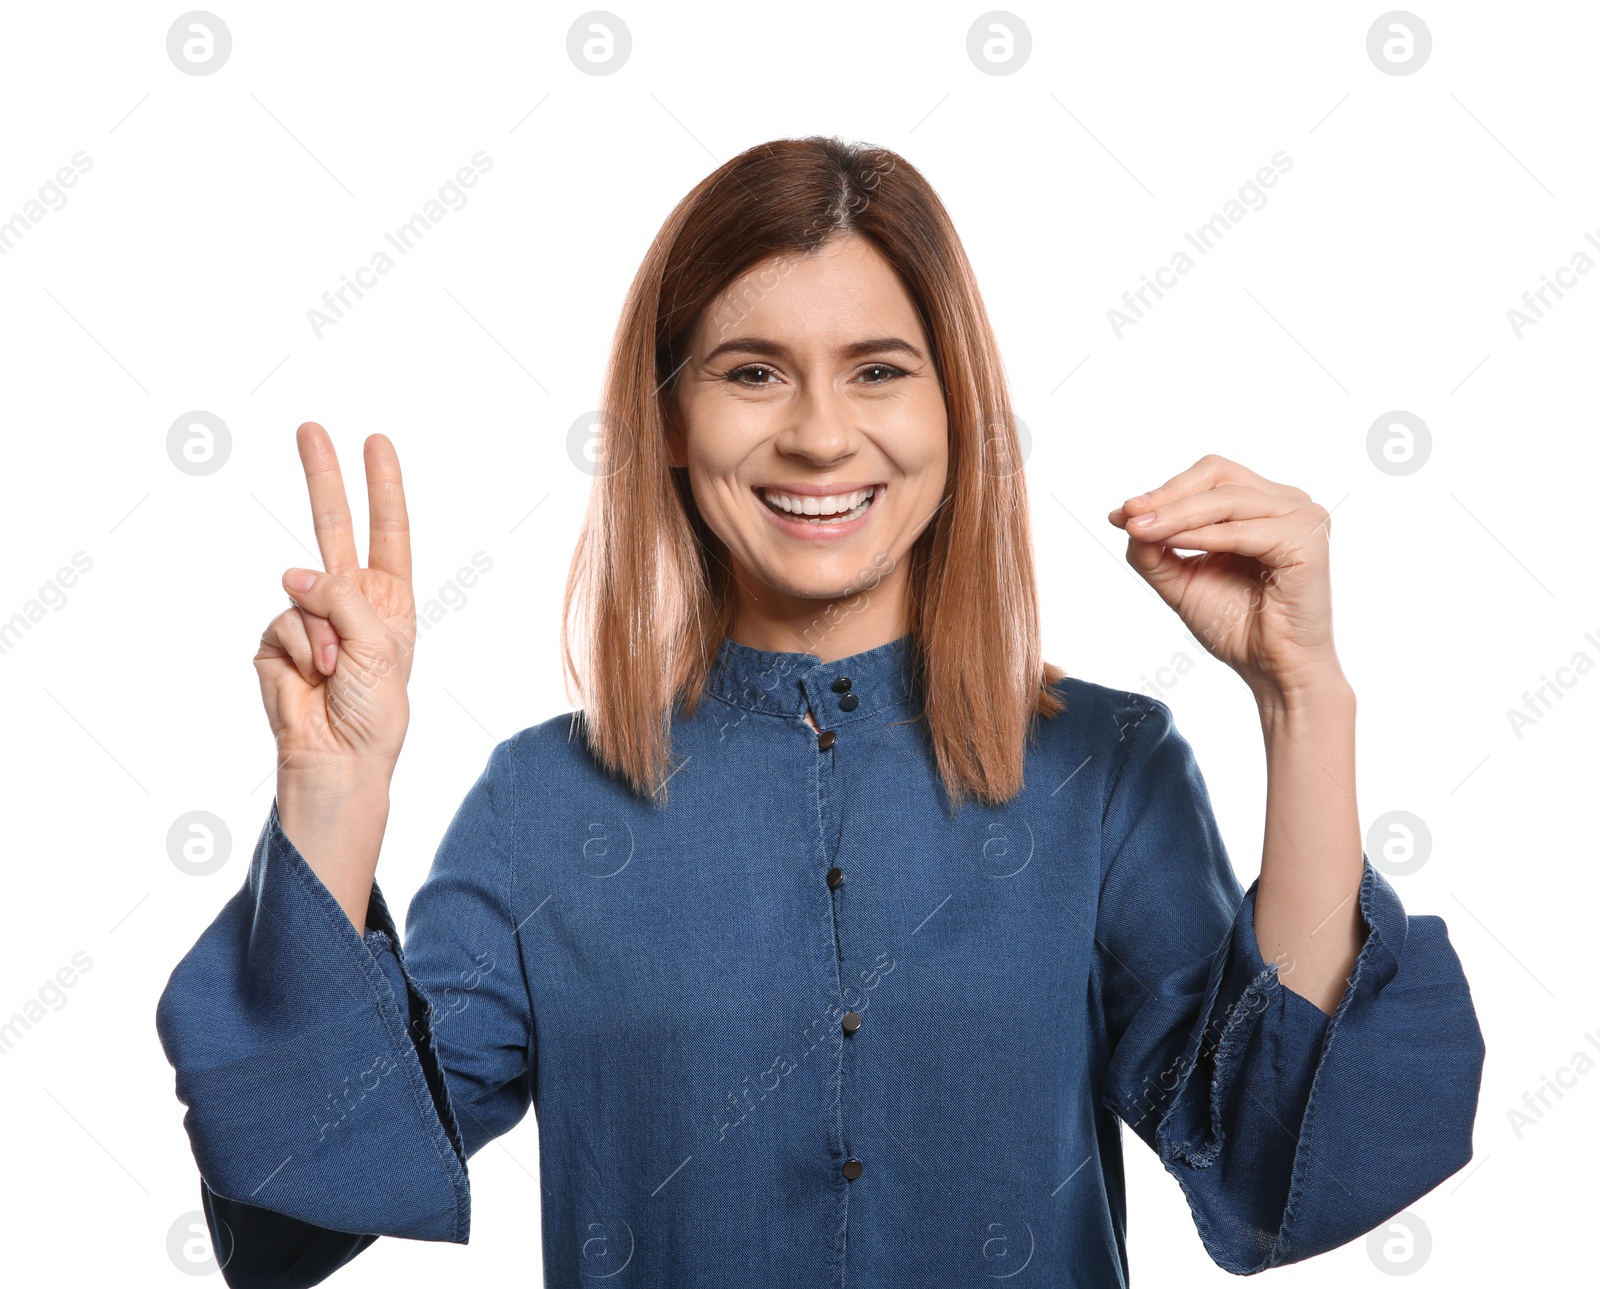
(1307, 913)
(338, 829)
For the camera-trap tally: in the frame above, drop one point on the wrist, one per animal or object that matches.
(338, 831)
(334, 780)
(1326, 693)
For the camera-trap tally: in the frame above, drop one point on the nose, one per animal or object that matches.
(821, 426)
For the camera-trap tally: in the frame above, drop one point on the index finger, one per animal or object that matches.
(1208, 472)
(389, 542)
(330, 512)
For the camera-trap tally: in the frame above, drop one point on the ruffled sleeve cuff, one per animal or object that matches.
(1292, 1131)
(306, 1060)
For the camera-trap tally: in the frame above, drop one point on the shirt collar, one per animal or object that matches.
(788, 682)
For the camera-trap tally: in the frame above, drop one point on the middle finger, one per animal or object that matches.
(330, 511)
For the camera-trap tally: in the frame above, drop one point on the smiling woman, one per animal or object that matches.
(809, 310)
(923, 924)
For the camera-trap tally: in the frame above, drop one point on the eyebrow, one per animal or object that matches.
(855, 349)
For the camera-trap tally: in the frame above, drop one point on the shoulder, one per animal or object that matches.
(1104, 727)
(551, 760)
(1102, 719)
(546, 744)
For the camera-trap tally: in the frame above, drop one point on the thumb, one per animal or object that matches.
(1161, 566)
(338, 599)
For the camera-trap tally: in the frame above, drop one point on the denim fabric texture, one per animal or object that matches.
(669, 990)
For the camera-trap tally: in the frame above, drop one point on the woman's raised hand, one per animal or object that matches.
(333, 669)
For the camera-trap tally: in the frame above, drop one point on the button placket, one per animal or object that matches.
(848, 702)
(827, 781)
(744, 678)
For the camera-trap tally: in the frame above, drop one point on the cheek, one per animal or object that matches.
(917, 436)
(720, 430)
(715, 453)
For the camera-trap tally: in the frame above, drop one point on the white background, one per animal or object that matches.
(219, 208)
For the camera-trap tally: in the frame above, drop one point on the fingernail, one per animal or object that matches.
(330, 655)
(1144, 521)
(300, 579)
(1143, 496)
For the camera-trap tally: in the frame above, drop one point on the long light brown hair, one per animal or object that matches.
(650, 594)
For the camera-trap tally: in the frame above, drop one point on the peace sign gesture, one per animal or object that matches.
(333, 667)
(1258, 595)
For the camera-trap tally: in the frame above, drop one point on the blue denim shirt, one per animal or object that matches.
(803, 1026)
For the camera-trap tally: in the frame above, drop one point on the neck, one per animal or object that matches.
(872, 612)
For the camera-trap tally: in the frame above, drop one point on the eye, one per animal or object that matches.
(886, 373)
(738, 372)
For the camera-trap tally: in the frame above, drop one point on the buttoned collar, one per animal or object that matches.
(788, 682)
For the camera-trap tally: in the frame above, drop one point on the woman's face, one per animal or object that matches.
(810, 390)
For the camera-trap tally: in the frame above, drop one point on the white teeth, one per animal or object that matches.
(796, 504)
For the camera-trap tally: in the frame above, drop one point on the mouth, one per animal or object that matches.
(830, 510)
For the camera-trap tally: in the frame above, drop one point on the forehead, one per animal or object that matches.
(837, 291)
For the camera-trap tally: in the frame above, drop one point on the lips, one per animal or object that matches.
(813, 514)
(822, 507)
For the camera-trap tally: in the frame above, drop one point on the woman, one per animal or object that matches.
(835, 933)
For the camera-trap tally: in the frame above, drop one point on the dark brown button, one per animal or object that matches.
(841, 685)
(825, 740)
(851, 1022)
(849, 703)
(835, 876)
(851, 1169)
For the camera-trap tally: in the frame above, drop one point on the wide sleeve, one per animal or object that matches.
(336, 1084)
(1290, 1131)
